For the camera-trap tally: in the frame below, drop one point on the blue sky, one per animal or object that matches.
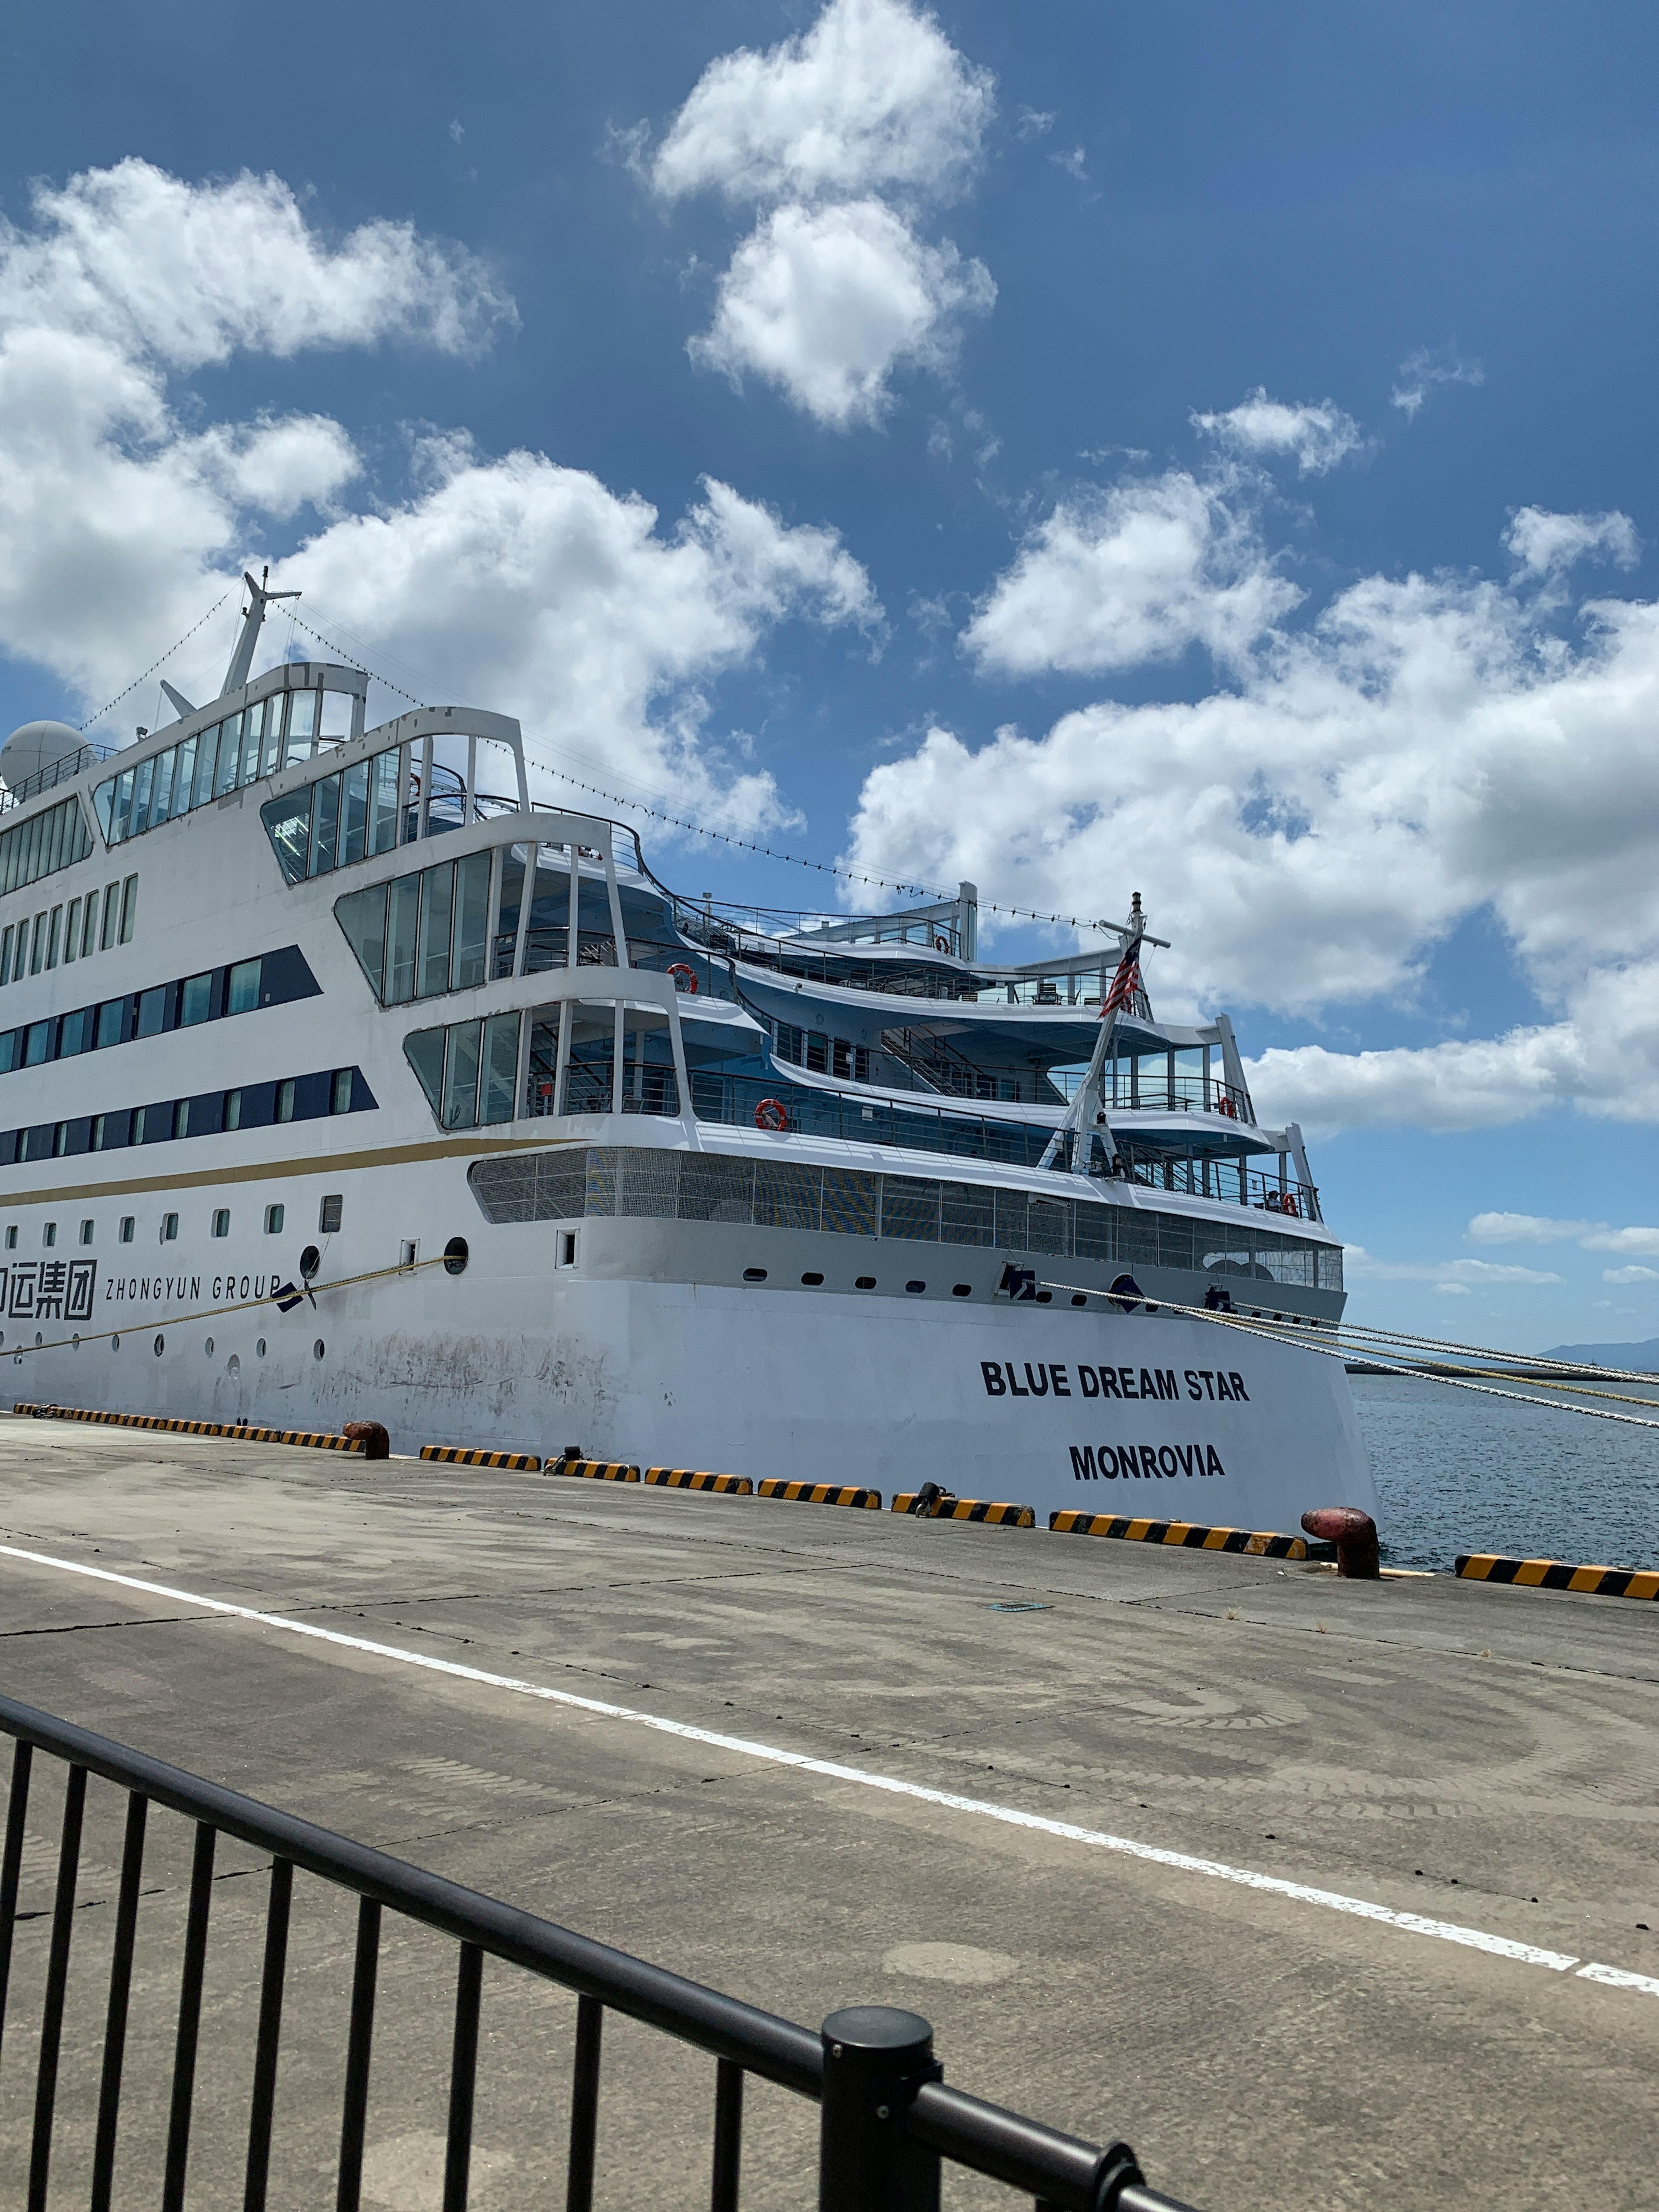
(1089, 449)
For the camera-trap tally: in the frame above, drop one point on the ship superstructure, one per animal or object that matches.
(294, 1005)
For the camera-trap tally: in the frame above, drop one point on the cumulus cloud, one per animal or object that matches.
(1315, 436)
(1444, 1274)
(1630, 1275)
(524, 586)
(874, 98)
(1134, 575)
(1312, 826)
(827, 302)
(1543, 543)
(1420, 372)
(1543, 1229)
(841, 135)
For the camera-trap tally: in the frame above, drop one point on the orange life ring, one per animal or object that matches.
(941, 943)
(690, 986)
(1225, 1105)
(1287, 1204)
(771, 1113)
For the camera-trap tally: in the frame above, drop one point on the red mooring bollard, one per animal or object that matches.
(1353, 1534)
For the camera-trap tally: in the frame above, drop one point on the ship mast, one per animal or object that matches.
(252, 615)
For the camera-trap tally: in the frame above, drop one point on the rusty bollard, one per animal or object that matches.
(376, 1442)
(1353, 1534)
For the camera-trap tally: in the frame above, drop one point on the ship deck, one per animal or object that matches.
(1479, 1757)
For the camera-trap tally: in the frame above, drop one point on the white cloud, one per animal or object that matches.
(1526, 1229)
(827, 303)
(1420, 372)
(522, 585)
(873, 98)
(1621, 1240)
(1544, 544)
(1316, 436)
(1630, 1275)
(1136, 574)
(1444, 1274)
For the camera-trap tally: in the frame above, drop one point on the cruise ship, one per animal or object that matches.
(341, 1080)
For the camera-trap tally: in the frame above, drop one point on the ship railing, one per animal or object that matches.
(54, 772)
(854, 1117)
(1199, 1176)
(887, 2121)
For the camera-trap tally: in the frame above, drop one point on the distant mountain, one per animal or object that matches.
(1641, 1357)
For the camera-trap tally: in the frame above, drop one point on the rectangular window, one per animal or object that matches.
(120, 806)
(152, 1010)
(90, 925)
(72, 930)
(195, 999)
(86, 1232)
(37, 1045)
(339, 1099)
(275, 1215)
(401, 940)
(52, 936)
(76, 1034)
(111, 1021)
(161, 803)
(817, 1052)
(143, 776)
(383, 802)
(500, 1069)
(181, 1118)
(287, 825)
(221, 1221)
(471, 921)
(49, 1234)
(128, 1225)
(330, 1213)
(242, 991)
(460, 1106)
(353, 814)
(129, 909)
(325, 825)
(284, 1101)
(253, 730)
(183, 777)
(233, 1116)
(337, 715)
(207, 755)
(112, 915)
(362, 916)
(11, 1237)
(38, 950)
(437, 902)
(5, 953)
(169, 1228)
(270, 750)
(301, 724)
(230, 754)
(21, 961)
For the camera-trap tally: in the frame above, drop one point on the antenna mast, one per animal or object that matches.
(254, 614)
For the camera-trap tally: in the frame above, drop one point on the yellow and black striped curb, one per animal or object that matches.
(686, 1478)
(594, 1470)
(1552, 1574)
(970, 1508)
(315, 1440)
(1260, 1542)
(821, 1493)
(462, 1455)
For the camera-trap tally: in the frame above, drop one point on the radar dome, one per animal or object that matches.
(35, 746)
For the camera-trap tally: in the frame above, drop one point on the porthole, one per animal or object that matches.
(754, 1275)
(865, 1283)
(1080, 1298)
(1045, 1297)
(914, 1287)
(115, 1344)
(456, 1256)
(208, 1347)
(38, 1339)
(310, 1259)
(962, 1290)
(259, 1348)
(160, 1346)
(317, 1349)
(811, 1281)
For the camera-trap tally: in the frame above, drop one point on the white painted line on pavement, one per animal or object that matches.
(1359, 1908)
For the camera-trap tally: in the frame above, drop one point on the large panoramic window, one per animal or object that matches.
(55, 838)
(420, 934)
(272, 733)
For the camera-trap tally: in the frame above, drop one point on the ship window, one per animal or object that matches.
(353, 814)
(11, 1237)
(181, 1118)
(253, 731)
(37, 1044)
(233, 1113)
(284, 1110)
(221, 1221)
(152, 1010)
(329, 1214)
(325, 825)
(287, 825)
(754, 1275)
(460, 1100)
(110, 1021)
(302, 722)
(817, 1052)
(865, 1283)
(500, 1069)
(51, 936)
(72, 930)
(49, 1234)
(269, 750)
(160, 805)
(565, 1252)
(337, 715)
(207, 753)
(383, 801)
(962, 1290)
(275, 1215)
(340, 1095)
(86, 1232)
(811, 1280)
(169, 1228)
(37, 950)
(129, 909)
(89, 930)
(424, 1051)
(143, 776)
(471, 921)
(195, 999)
(120, 801)
(401, 940)
(914, 1287)
(23, 952)
(437, 903)
(128, 1225)
(230, 756)
(362, 916)
(242, 994)
(5, 953)
(112, 914)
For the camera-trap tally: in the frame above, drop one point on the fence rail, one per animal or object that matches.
(887, 2119)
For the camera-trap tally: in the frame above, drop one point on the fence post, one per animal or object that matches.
(875, 2059)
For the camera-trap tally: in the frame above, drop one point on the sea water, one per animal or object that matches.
(1459, 1472)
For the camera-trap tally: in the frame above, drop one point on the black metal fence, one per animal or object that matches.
(888, 2121)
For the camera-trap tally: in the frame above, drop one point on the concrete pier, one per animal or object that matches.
(1463, 1758)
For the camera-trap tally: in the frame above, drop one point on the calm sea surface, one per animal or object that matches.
(1458, 1473)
